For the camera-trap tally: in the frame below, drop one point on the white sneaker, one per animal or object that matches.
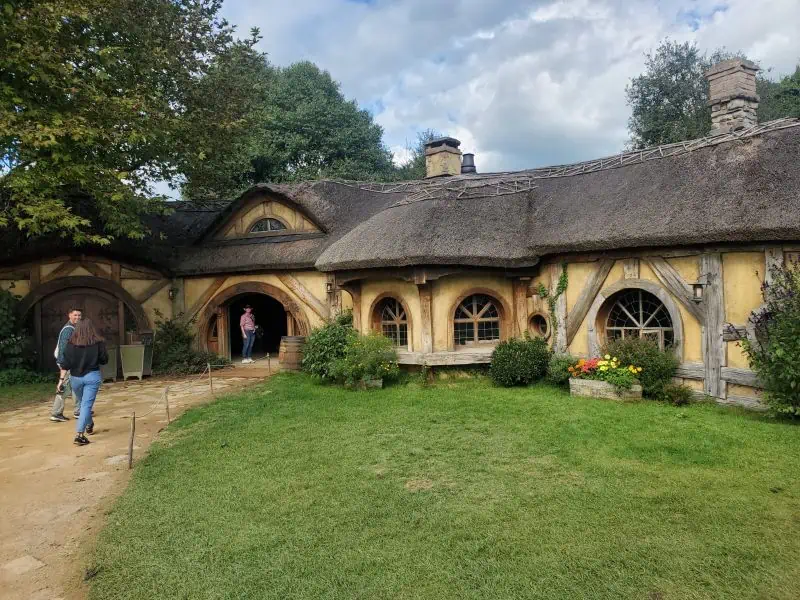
(244, 361)
(250, 360)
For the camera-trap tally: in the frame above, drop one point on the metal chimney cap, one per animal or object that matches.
(468, 163)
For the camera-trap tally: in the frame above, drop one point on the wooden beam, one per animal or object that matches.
(586, 298)
(441, 359)
(773, 259)
(740, 376)
(179, 297)
(137, 274)
(714, 304)
(35, 276)
(116, 272)
(520, 306)
(151, 291)
(630, 266)
(691, 371)
(334, 296)
(203, 299)
(302, 292)
(354, 288)
(94, 269)
(672, 280)
(62, 270)
(426, 316)
(733, 333)
(37, 328)
(121, 322)
(560, 318)
(15, 275)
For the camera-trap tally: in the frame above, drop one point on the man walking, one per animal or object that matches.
(63, 388)
(247, 323)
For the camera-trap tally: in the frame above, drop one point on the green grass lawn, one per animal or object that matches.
(460, 490)
(15, 396)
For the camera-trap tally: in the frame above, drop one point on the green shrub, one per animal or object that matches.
(658, 366)
(677, 394)
(327, 344)
(557, 369)
(173, 349)
(366, 357)
(18, 376)
(774, 352)
(519, 361)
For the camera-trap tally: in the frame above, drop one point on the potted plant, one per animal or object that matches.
(605, 378)
(367, 361)
(137, 359)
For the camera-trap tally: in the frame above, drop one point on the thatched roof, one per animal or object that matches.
(734, 188)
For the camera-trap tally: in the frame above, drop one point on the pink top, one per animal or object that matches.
(247, 322)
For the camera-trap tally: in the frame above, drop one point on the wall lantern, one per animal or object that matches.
(697, 288)
(172, 293)
(329, 287)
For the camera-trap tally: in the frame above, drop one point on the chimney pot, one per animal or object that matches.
(732, 95)
(442, 157)
(468, 163)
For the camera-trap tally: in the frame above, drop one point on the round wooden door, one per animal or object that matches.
(102, 308)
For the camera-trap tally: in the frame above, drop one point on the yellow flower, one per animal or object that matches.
(604, 368)
(639, 369)
(607, 357)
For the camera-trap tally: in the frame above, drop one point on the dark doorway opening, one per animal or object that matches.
(269, 314)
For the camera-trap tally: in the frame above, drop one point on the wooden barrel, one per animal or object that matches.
(291, 352)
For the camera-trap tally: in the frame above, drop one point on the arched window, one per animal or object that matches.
(477, 320)
(391, 317)
(638, 313)
(266, 225)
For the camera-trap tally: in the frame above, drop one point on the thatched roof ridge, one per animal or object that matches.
(734, 188)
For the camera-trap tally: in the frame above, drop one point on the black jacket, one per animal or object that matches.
(80, 360)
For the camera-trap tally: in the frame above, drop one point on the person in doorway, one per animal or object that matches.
(84, 354)
(247, 323)
(63, 388)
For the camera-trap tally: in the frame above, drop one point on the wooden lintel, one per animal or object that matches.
(204, 298)
(305, 295)
(152, 290)
(126, 273)
(672, 280)
(586, 298)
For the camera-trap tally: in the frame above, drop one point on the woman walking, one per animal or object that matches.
(84, 354)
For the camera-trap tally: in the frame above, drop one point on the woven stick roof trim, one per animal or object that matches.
(513, 182)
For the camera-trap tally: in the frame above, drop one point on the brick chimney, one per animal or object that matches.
(732, 95)
(442, 157)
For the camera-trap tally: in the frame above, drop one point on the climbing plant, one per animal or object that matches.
(561, 287)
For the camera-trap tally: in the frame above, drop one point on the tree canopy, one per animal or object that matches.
(414, 167)
(669, 100)
(92, 103)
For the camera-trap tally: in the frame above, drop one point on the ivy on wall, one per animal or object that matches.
(563, 281)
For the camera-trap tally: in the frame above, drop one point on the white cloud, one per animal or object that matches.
(522, 84)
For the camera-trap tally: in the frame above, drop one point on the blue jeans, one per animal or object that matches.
(85, 389)
(249, 340)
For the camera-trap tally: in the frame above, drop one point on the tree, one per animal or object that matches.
(669, 100)
(92, 102)
(299, 127)
(414, 167)
(781, 99)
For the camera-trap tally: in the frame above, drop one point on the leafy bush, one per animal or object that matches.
(557, 369)
(13, 341)
(609, 369)
(519, 361)
(774, 349)
(677, 394)
(366, 357)
(327, 344)
(18, 376)
(658, 366)
(173, 349)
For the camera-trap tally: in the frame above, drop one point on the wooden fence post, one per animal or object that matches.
(166, 403)
(130, 441)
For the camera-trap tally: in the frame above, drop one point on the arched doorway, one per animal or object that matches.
(275, 311)
(112, 309)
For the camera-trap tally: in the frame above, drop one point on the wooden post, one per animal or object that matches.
(560, 317)
(166, 403)
(210, 380)
(269, 365)
(520, 307)
(37, 328)
(426, 310)
(630, 267)
(130, 441)
(121, 321)
(714, 346)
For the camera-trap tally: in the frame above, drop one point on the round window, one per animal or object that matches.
(539, 326)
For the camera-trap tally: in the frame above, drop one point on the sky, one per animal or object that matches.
(521, 83)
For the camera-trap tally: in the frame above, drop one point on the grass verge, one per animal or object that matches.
(16, 396)
(459, 490)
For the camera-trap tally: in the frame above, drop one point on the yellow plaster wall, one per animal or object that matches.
(347, 300)
(293, 219)
(736, 356)
(46, 269)
(742, 272)
(19, 287)
(160, 301)
(578, 274)
(744, 390)
(402, 290)
(447, 290)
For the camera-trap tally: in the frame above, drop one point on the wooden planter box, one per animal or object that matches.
(602, 389)
(137, 360)
(109, 370)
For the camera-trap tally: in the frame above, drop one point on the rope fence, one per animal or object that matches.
(180, 388)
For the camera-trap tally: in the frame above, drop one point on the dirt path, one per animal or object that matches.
(52, 492)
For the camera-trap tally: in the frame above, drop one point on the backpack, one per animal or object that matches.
(71, 326)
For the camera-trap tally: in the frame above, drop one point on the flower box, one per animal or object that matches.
(595, 388)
